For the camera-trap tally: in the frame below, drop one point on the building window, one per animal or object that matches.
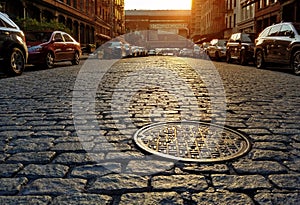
(234, 20)
(234, 4)
(260, 4)
(230, 22)
(69, 2)
(81, 6)
(75, 4)
(266, 2)
(87, 6)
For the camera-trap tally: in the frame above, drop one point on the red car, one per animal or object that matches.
(46, 48)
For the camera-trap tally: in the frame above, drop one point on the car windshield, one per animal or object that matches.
(248, 38)
(38, 36)
(7, 21)
(297, 27)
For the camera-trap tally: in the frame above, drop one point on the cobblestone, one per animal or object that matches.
(277, 198)
(8, 170)
(258, 167)
(181, 183)
(38, 200)
(242, 183)
(54, 187)
(152, 198)
(286, 181)
(98, 170)
(11, 186)
(50, 154)
(40, 171)
(92, 199)
(116, 183)
(222, 198)
(31, 157)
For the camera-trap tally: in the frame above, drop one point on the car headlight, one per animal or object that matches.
(35, 49)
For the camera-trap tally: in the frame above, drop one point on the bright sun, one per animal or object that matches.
(158, 4)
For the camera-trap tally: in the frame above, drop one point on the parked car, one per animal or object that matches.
(13, 49)
(197, 51)
(114, 49)
(152, 52)
(128, 49)
(204, 47)
(240, 47)
(143, 51)
(46, 47)
(136, 51)
(186, 52)
(280, 44)
(217, 49)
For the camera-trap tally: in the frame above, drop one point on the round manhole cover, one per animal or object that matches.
(192, 141)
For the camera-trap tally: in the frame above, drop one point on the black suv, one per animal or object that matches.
(240, 47)
(280, 44)
(13, 49)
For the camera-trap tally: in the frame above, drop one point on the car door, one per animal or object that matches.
(59, 46)
(69, 47)
(4, 35)
(283, 41)
(271, 45)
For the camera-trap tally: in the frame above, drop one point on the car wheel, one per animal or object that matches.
(15, 62)
(295, 63)
(243, 59)
(217, 56)
(76, 59)
(49, 61)
(228, 57)
(259, 59)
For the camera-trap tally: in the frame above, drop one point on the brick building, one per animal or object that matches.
(290, 10)
(209, 21)
(91, 21)
(267, 12)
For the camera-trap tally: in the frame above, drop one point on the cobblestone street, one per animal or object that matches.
(66, 134)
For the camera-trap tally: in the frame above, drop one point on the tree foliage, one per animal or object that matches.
(30, 24)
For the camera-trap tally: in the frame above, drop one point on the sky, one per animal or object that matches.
(158, 4)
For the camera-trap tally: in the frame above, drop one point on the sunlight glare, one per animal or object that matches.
(158, 4)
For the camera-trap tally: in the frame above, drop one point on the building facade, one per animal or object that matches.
(232, 17)
(158, 27)
(208, 21)
(246, 21)
(91, 21)
(267, 12)
(249, 16)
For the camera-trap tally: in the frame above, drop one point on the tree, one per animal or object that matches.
(30, 24)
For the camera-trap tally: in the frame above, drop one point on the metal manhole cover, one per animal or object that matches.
(192, 141)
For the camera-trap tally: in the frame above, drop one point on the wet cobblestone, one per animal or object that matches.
(45, 160)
